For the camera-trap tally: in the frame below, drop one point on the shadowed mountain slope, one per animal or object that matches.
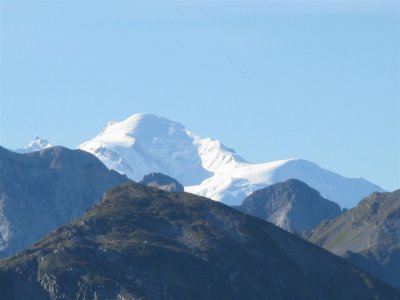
(292, 205)
(146, 243)
(367, 235)
(42, 190)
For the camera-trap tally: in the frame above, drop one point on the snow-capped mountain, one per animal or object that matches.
(37, 144)
(146, 143)
(232, 186)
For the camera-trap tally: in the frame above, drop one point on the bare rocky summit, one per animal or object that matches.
(291, 205)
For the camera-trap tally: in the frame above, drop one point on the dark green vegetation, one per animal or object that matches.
(40, 191)
(292, 205)
(146, 243)
(367, 235)
(163, 182)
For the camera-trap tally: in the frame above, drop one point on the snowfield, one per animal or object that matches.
(145, 143)
(36, 145)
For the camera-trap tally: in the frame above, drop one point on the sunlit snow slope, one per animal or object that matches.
(146, 143)
(37, 144)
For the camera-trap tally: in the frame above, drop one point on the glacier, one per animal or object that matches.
(145, 143)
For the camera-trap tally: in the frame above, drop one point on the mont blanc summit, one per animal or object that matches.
(145, 143)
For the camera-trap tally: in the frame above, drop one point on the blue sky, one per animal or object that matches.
(318, 80)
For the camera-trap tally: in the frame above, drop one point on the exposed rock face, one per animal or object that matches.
(145, 243)
(40, 191)
(367, 235)
(163, 182)
(291, 205)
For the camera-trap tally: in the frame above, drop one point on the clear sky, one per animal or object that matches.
(319, 80)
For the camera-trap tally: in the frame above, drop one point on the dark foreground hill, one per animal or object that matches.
(146, 243)
(39, 191)
(292, 205)
(367, 235)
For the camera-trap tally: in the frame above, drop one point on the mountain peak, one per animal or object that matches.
(36, 144)
(367, 235)
(146, 143)
(38, 141)
(139, 126)
(292, 205)
(142, 121)
(163, 182)
(296, 184)
(41, 190)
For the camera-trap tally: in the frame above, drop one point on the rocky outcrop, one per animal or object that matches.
(367, 235)
(163, 182)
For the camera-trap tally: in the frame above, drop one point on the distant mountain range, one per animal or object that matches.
(142, 241)
(42, 190)
(368, 235)
(146, 143)
(291, 205)
(146, 243)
